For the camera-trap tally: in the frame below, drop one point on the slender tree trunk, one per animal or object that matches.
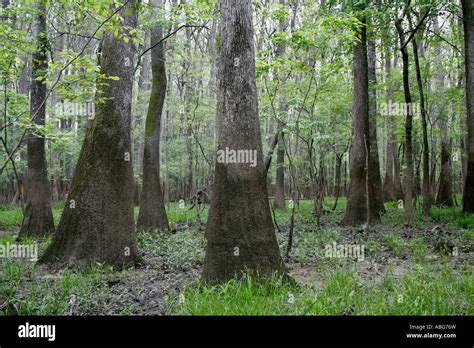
(388, 183)
(375, 180)
(426, 155)
(280, 160)
(97, 223)
(152, 215)
(240, 232)
(338, 179)
(468, 15)
(445, 192)
(38, 216)
(409, 171)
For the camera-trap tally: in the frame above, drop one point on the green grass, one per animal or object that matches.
(29, 293)
(11, 216)
(452, 216)
(395, 244)
(422, 292)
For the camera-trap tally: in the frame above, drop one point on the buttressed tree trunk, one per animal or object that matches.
(38, 217)
(356, 211)
(240, 233)
(97, 223)
(152, 215)
(468, 199)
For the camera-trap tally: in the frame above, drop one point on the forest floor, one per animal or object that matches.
(423, 270)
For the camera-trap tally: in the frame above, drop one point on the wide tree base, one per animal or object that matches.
(37, 222)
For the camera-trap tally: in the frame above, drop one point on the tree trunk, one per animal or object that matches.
(409, 171)
(280, 160)
(97, 223)
(468, 199)
(38, 216)
(375, 181)
(338, 179)
(426, 155)
(356, 211)
(239, 230)
(445, 191)
(388, 183)
(152, 215)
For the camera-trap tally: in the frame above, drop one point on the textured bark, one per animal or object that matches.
(97, 223)
(38, 216)
(356, 211)
(375, 180)
(152, 215)
(468, 18)
(240, 232)
(409, 171)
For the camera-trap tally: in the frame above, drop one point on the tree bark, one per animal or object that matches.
(445, 191)
(240, 232)
(97, 224)
(152, 215)
(468, 19)
(280, 160)
(38, 216)
(409, 171)
(356, 211)
(375, 180)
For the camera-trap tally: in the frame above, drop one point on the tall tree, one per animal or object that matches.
(38, 216)
(409, 171)
(280, 160)
(152, 215)
(445, 190)
(468, 19)
(392, 186)
(240, 232)
(424, 124)
(360, 203)
(97, 224)
(374, 174)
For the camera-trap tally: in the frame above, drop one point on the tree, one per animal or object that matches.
(392, 186)
(152, 213)
(239, 231)
(445, 190)
(280, 160)
(38, 216)
(409, 171)
(374, 166)
(468, 19)
(360, 202)
(97, 223)
(426, 150)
